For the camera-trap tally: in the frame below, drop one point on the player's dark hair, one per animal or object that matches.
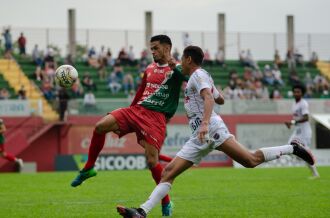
(196, 54)
(299, 86)
(163, 39)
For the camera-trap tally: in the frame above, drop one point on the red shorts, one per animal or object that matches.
(147, 124)
(2, 148)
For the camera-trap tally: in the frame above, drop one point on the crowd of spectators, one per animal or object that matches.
(255, 82)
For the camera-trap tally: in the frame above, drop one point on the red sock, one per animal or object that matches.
(156, 174)
(165, 158)
(9, 157)
(95, 148)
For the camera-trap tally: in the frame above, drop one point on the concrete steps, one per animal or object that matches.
(12, 72)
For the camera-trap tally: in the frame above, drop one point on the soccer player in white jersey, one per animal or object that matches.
(302, 130)
(209, 132)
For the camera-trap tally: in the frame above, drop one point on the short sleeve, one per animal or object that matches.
(200, 81)
(304, 108)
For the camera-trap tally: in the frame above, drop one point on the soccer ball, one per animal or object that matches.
(66, 75)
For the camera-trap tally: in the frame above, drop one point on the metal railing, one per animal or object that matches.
(262, 45)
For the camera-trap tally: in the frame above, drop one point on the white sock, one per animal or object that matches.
(314, 170)
(273, 153)
(158, 193)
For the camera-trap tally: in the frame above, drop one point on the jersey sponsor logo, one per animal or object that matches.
(195, 124)
(153, 102)
(156, 86)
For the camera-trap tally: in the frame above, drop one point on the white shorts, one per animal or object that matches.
(193, 150)
(303, 135)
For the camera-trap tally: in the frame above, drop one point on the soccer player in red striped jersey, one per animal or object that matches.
(154, 104)
(3, 153)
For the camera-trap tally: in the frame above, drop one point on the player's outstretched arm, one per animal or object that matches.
(140, 91)
(294, 122)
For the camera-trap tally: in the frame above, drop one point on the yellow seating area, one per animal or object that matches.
(12, 72)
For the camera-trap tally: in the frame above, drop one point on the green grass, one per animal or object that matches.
(280, 192)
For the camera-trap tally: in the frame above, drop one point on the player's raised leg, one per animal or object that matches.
(252, 159)
(106, 124)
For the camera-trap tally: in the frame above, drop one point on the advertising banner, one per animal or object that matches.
(103, 162)
(177, 134)
(14, 108)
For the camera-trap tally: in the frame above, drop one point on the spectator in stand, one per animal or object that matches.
(247, 75)
(268, 78)
(293, 78)
(50, 71)
(239, 90)
(47, 89)
(142, 66)
(91, 52)
(63, 98)
(103, 62)
(220, 57)
(8, 43)
(314, 59)
(277, 59)
(88, 82)
(128, 83)
(261, 91)
(309, 93)
(22, 93)
(275, 94)
(4, 94)
(320, 83)
(77, 89)
(131, 57)
(89, 100)
(250, 62)
(144, 55)
(92, 58)
(277, 74)
(242, 58)
(176, 54)
(186, 40)
(308, 81)
(233, 76)
(21, 44)
(257, 74)
(123, 57)
(110, 60)
(207, 58)
(249, 90)
(49, 59)
(37, 56)
(291, 61)
(39, 73)
(115, 79)
(68, 60)
(299, 58)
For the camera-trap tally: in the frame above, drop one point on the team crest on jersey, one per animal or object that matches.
(169, 74)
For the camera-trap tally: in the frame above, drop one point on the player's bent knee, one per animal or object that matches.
(151, 162)
(105, 125)
(249, 163)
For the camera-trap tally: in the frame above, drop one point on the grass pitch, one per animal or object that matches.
(202, 193)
